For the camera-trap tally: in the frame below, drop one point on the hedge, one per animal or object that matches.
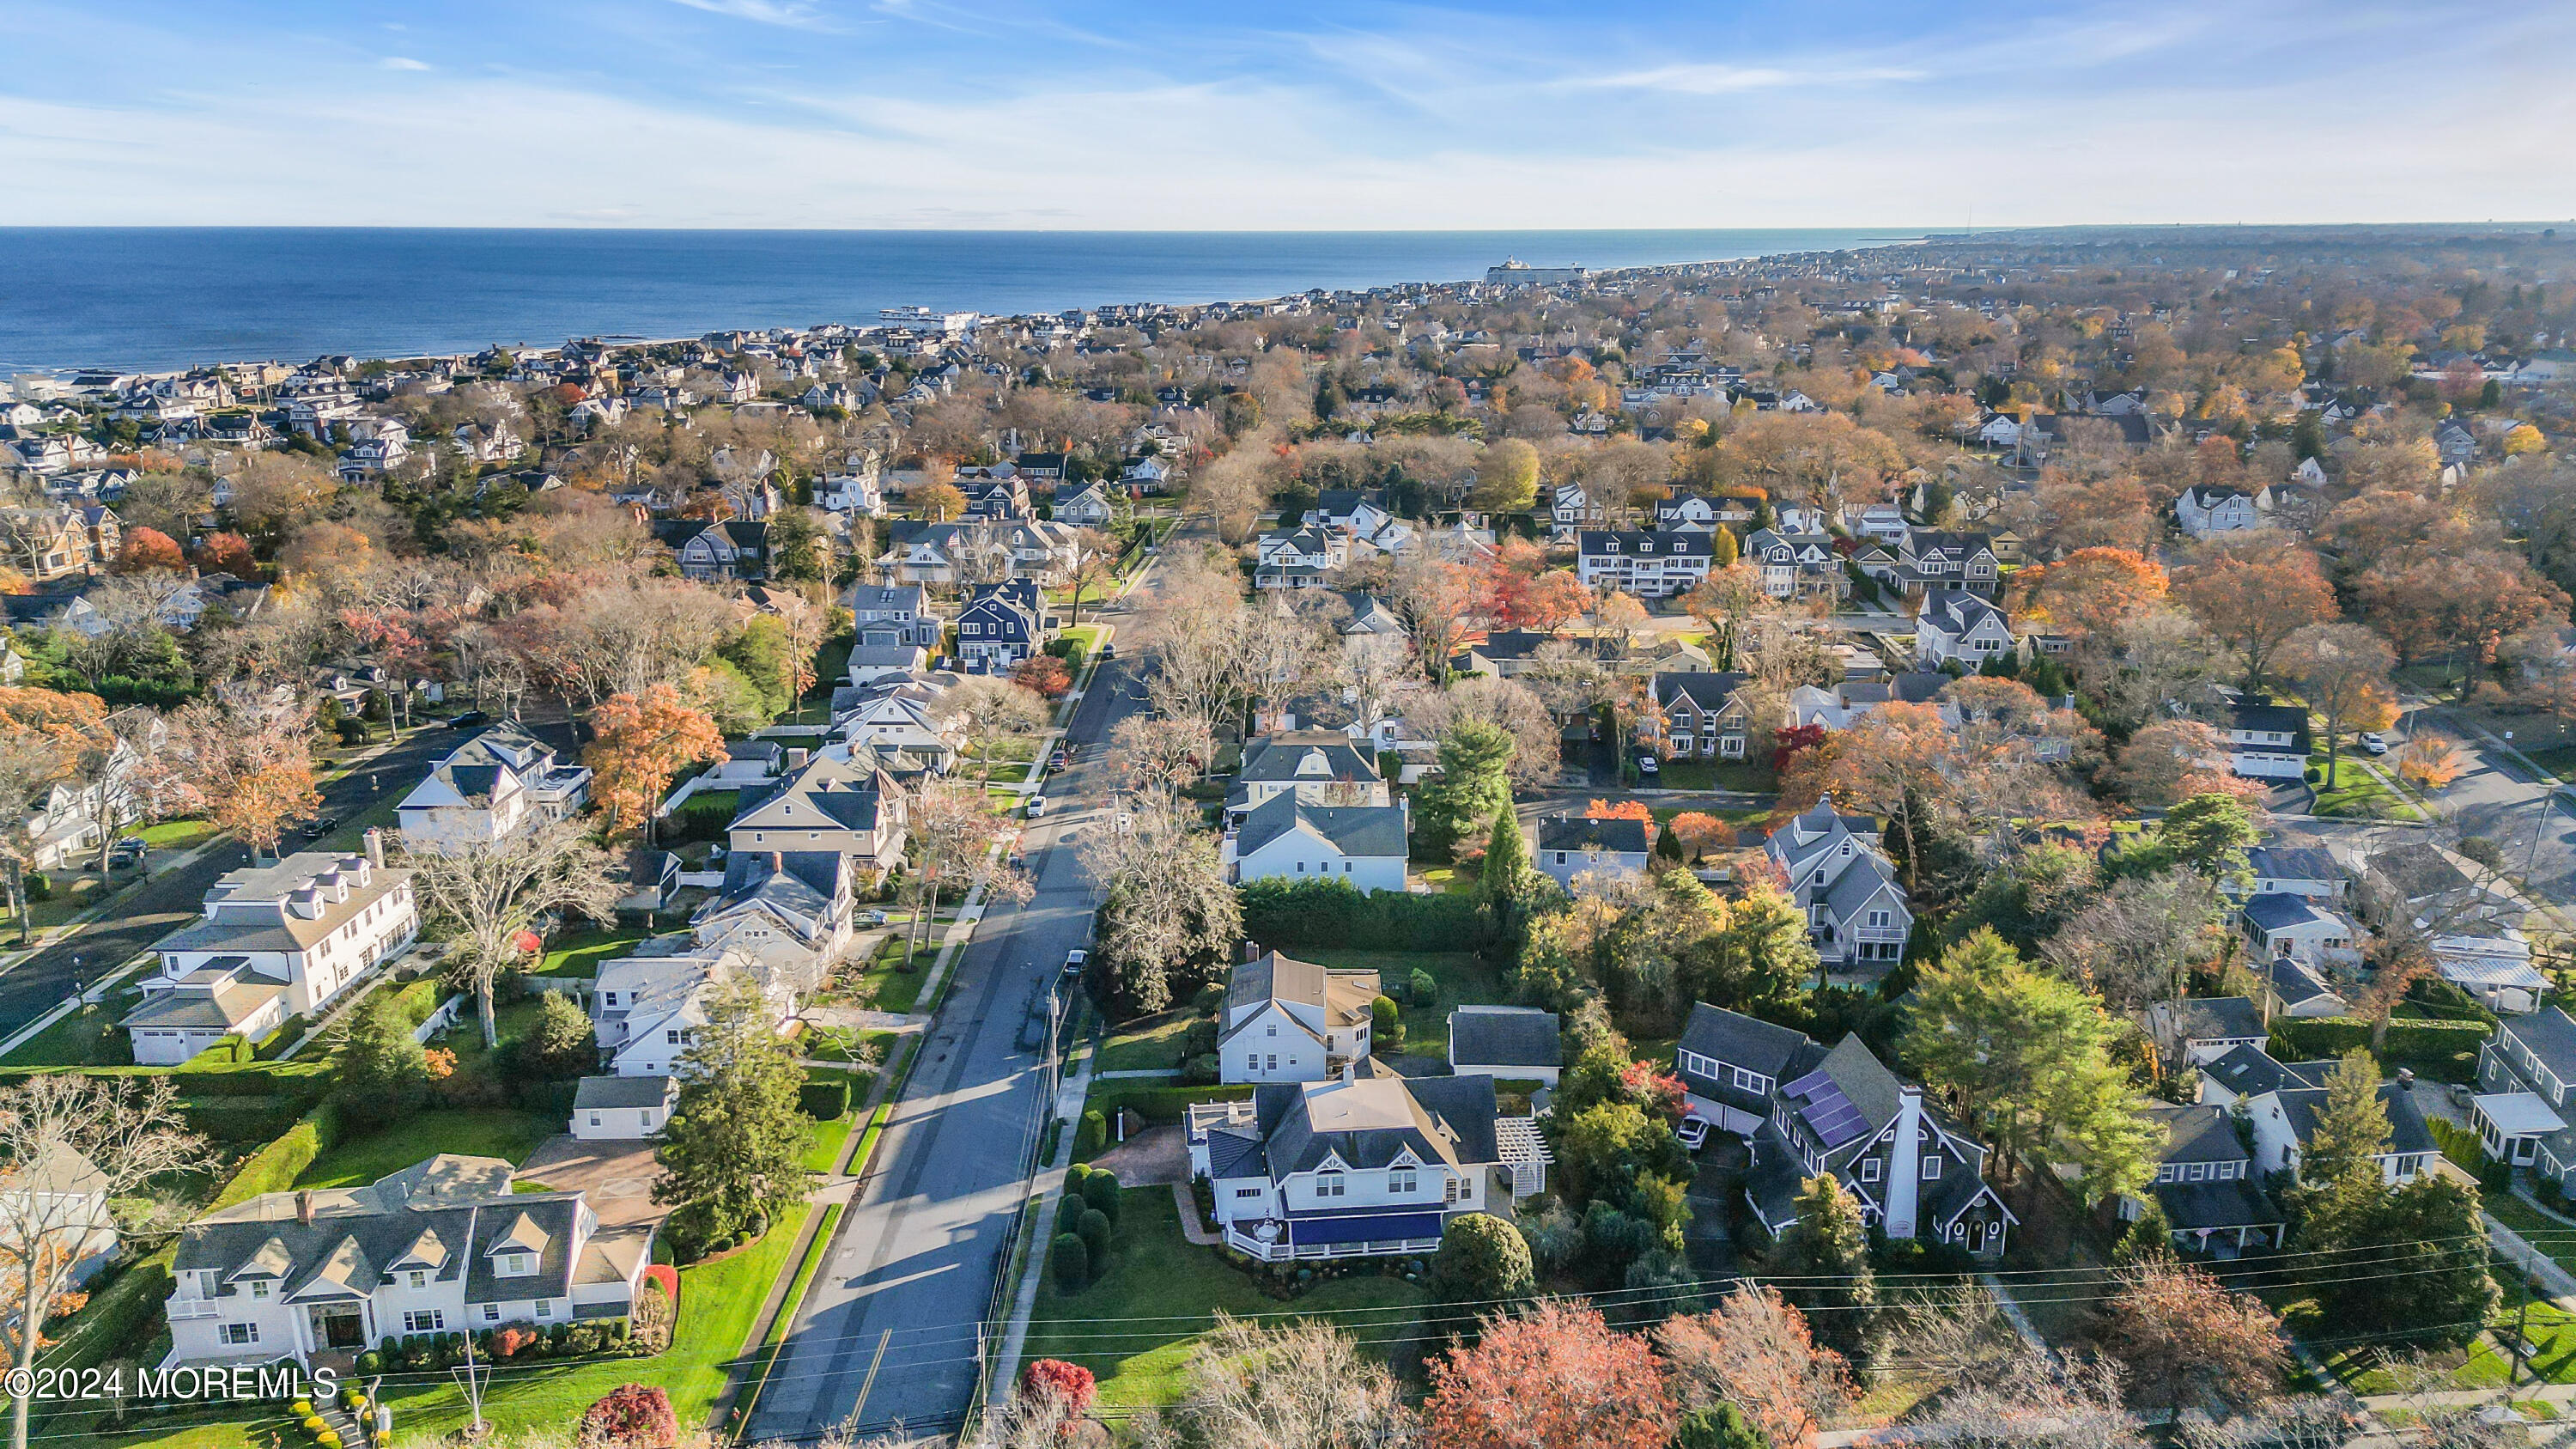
(825, 1099)
(1159, 1104)
(2445, 1051)
(275, 1167)
(304, 1081)
(1329, 914)
(123, 1312)
(241, 1119)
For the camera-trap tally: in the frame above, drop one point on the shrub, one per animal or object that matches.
(631, 1416)
(1324, 914)
(370, 1364)
(1100, 1191)
(1386, 1026)
(1093, 1134)
(1203, 1070)
(312, 1423)
(1068, 1384)
(824, 1098)
(1420, 989)
(1093, 1229)
(1483, 1259)
(1199, 1038)
(327, 1439)
(1072, 1262)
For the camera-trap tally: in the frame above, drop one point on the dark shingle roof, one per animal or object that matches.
(1503, 1036)
(1357, 830)
(1577, 832)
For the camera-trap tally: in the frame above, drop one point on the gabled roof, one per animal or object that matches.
(1372, 1122)
(1577, 832)
(2282, 911)
(2196, 1133)
(2292, 862)
(1354, 830)
(1758, 1046)
(2550, 1035)
(1273, 977)
(1956, 611)
(2210, 1018)
(1706, 692)
(1504, 1036)
(1319, 755)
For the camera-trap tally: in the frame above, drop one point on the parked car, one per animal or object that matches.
(1650, 767)
(2374, 743)
(1037, 806)
(129, 851)
(1108, 652)
(321, 827)
(469, 719)
(1075, 960)
(1693, 1132)
(870, 918)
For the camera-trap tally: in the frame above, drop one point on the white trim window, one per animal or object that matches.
(424, 1320)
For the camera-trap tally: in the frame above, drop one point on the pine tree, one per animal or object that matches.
(1471, 789)
(1824, 1260)
(2351, 1130)
(732, 1153)
(1508, 885)
(2150, 1238)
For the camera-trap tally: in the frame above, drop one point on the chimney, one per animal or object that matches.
(304, 1207)
(1251, 952)
(376, 848)
(2406, 1079)
(796, 758)
(777, 861)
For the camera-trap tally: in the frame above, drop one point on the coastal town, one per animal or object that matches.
(1959, 839)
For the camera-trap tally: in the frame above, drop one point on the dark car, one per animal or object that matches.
(128, 851)
(1108, 652)
(468, 720)
(321, 827)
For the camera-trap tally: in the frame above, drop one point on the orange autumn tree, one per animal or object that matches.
(639, 742)
(248, 767)
(1701, 833)
(1620, 810)
(2091, 590)
(1556, 1377)
(149, 548)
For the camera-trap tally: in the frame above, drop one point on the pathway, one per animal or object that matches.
(1191, 1228)
(1048, 1183)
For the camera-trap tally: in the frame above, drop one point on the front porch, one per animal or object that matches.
(2510, 1125)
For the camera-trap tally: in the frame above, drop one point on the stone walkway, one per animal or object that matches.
(1191, 1228)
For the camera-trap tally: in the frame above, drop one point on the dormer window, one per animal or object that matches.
(515, 1265)
(1329, 1184)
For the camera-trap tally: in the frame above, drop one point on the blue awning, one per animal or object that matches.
(1363, 1228)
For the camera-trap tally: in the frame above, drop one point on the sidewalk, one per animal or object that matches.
(1048, 1185)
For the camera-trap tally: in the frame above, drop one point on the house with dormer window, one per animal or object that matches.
(1956, 626)
(885, 614)
(1795, 565)
(1843, 882)
(1321, 767)
(2526, 1100)
(2207, 1184)
(1687, 513)
(1572, 510)
(447, 1245)
(2204, 509)
(1806, 1111)
(1001, 626)
(1369, 1165)
(1699, 715)
(2267, 741)
(1286, 1020)
(1642, 564)
(1297, 558)
(501, 782)
(829, 802)
(1934, 558)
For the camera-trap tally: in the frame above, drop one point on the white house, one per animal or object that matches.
(1085, 507)
(622, 1109)
(1286, 1020)
(1569, 845)
(1367, 1166)
(790, 911)
(1645, 565)
(1284, 838)
(1320, 767)
(499, 783)
(2284, 1119)
(2526, 1072)
(2285, 924)
(443, 1246)
(1957, 625)
(2209, 508)
(274, 941)
(1298, 558)
(1856, 911)
(2268, 741)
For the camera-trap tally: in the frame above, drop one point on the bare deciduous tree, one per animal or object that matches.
(488, 893)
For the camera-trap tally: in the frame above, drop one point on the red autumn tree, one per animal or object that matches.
(227, 553)
(2253, 595)
(1785, 744)
(1069, 1384)
(2092, 590)
(1555, 1378)
(2184, 1336)
(1043, 675)
(641, 741)
(1755, 1352)
(147, 549)
(631, 1416)
(1701, 833)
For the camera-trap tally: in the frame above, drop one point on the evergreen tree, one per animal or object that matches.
(382, 1071)
(2150, 1238)
(1483, 1259)
(2412, 1261)
(1509, 885)
(1824, 1261)
(732, 1153)
(2351, 1131)
(1472, 788)
(2208, 833)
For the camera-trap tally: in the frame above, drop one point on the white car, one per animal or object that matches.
(1037, 806)
(2374, 743)
(1693, 1132)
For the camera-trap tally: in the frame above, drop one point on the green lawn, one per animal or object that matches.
(1464, 980)
(1146, 1043)
(2553, 1238)
(2357, 793)
(1168, 1291)
(824, 1140)
(1456, 880)
(174, 834)
(892, 981)
(474, 1131)
(1717, 775)
(87, 1037)
(578, 953)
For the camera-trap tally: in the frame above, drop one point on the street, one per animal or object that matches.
(171, 896)
(897, 1309)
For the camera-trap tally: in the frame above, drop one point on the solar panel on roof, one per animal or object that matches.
(1808, 1083)
(1837, 1123)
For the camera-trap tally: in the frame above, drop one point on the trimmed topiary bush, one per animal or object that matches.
(1072, 1262)
(1100, 1191)
(1093, 1229)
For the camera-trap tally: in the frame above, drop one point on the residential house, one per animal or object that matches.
(1320, 767)
(272, 942)
(892, 614)
(827, 802)
(1807, 1111)
(1795, 565)
(895, 716)
(2288, 986)
(1569, 845)
(1698, 716)
(732, 548)
(58, 1201)
(2207, 1184)
(448, 1245)
(2522, 1110)
(2284, 1122)
(1369, 1166)
(501, 782)
(1284, 838)
(1956, 626)
(2267, 741)
(1002, 626)
(2493, 966)
(2204, 1028)
(1297, 558)
(2283, 924)
(1509, 1043)
(1845, 885)
(1571, 510)
(56, 541)
(1687, 513)
(1933, 558)
(610, 1109)
(2212, 508)
(1644, 565)
(1085, 507)
(1506, 653)
(1286, 1020)
(747, 765)
(871, 663)
(2300, 870)
(789, 911)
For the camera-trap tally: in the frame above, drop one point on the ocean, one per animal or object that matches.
(158, 298)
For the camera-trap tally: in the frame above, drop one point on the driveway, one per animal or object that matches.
(616, 1178)
(1154, 1156)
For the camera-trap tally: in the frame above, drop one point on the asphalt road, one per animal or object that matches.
(170, 897)
(896, 1309)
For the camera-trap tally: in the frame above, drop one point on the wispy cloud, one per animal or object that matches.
(789, 13)
(1727, 80)
(403, 62)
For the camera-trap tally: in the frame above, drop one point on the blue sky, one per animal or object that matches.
(1015, 113)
